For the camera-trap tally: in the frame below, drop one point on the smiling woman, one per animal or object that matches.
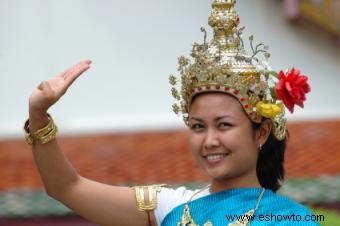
(234, 106)
(223, 142)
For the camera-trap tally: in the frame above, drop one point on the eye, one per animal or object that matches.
(196, 127)
(224, 125)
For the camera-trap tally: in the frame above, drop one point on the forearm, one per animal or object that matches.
(100, 203)
(56, 171)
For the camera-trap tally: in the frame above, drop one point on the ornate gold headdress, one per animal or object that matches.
(223, 65)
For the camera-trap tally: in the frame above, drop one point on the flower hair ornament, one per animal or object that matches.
(223, 65)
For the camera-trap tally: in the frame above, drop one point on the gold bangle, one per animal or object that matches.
(149, 203)
(44, 135)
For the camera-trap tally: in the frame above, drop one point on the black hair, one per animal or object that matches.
(269, 168)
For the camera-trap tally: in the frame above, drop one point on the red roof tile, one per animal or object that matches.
(163, 157)
(314, 149)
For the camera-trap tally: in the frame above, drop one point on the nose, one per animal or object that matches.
(211, 139)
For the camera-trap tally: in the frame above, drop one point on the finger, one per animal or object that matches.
(87, 61)
(75, 73)
(70, 70)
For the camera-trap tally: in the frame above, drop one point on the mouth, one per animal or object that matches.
(213, 159)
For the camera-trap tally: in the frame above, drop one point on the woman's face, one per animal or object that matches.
(221, 138)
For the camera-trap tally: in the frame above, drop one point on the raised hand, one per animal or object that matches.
(51, 90)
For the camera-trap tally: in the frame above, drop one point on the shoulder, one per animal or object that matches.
(169, 198)
(285, 203)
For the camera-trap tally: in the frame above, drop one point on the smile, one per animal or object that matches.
(214, 158)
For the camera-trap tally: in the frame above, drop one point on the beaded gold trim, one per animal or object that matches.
(44, 135)
(149, 203)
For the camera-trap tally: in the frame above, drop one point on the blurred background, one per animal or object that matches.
(116, 124)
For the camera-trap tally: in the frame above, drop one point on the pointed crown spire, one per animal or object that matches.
(223, 65)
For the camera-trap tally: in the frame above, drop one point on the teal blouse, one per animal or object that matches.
(228, 206)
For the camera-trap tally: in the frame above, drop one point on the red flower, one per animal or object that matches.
(292, 88)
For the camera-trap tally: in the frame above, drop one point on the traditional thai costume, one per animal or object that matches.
(240, 206)
(223, 65)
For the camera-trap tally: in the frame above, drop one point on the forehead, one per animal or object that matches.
(215, 104)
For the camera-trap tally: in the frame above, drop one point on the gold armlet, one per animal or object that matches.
(149, 203)
(44, 135)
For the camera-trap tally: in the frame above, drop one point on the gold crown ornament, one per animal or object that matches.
(223, 65)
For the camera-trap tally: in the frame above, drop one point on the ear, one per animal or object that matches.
(263, 132)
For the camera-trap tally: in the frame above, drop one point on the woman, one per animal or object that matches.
(234, 107)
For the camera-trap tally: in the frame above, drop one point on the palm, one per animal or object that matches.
(50, 91)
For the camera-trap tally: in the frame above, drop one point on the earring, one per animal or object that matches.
(260, 147)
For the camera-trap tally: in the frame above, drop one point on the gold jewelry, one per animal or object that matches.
(186, 219)
(223, 65)
(44, 135)
(249, 215)
(150, 203)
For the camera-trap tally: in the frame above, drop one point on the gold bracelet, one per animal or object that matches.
(150, 203)
(44, 135)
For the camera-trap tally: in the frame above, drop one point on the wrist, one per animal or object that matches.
(36, 123)
(41, 129)
(37, 120)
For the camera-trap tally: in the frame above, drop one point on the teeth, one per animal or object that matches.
(215, 157)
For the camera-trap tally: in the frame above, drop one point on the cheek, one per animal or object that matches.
(246, 134)
(247, 149)
(248, 146)
(195, 142)
(240, 140)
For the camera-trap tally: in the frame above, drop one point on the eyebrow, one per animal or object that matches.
(216, 119)
(195, 118)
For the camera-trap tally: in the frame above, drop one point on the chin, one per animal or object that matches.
(217, 174)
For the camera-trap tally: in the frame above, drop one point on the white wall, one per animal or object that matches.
(134, 46)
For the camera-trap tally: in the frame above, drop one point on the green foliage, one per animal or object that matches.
(274, 73)
(331, 218)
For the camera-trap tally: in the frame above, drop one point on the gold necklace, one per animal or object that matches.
(186, 219)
